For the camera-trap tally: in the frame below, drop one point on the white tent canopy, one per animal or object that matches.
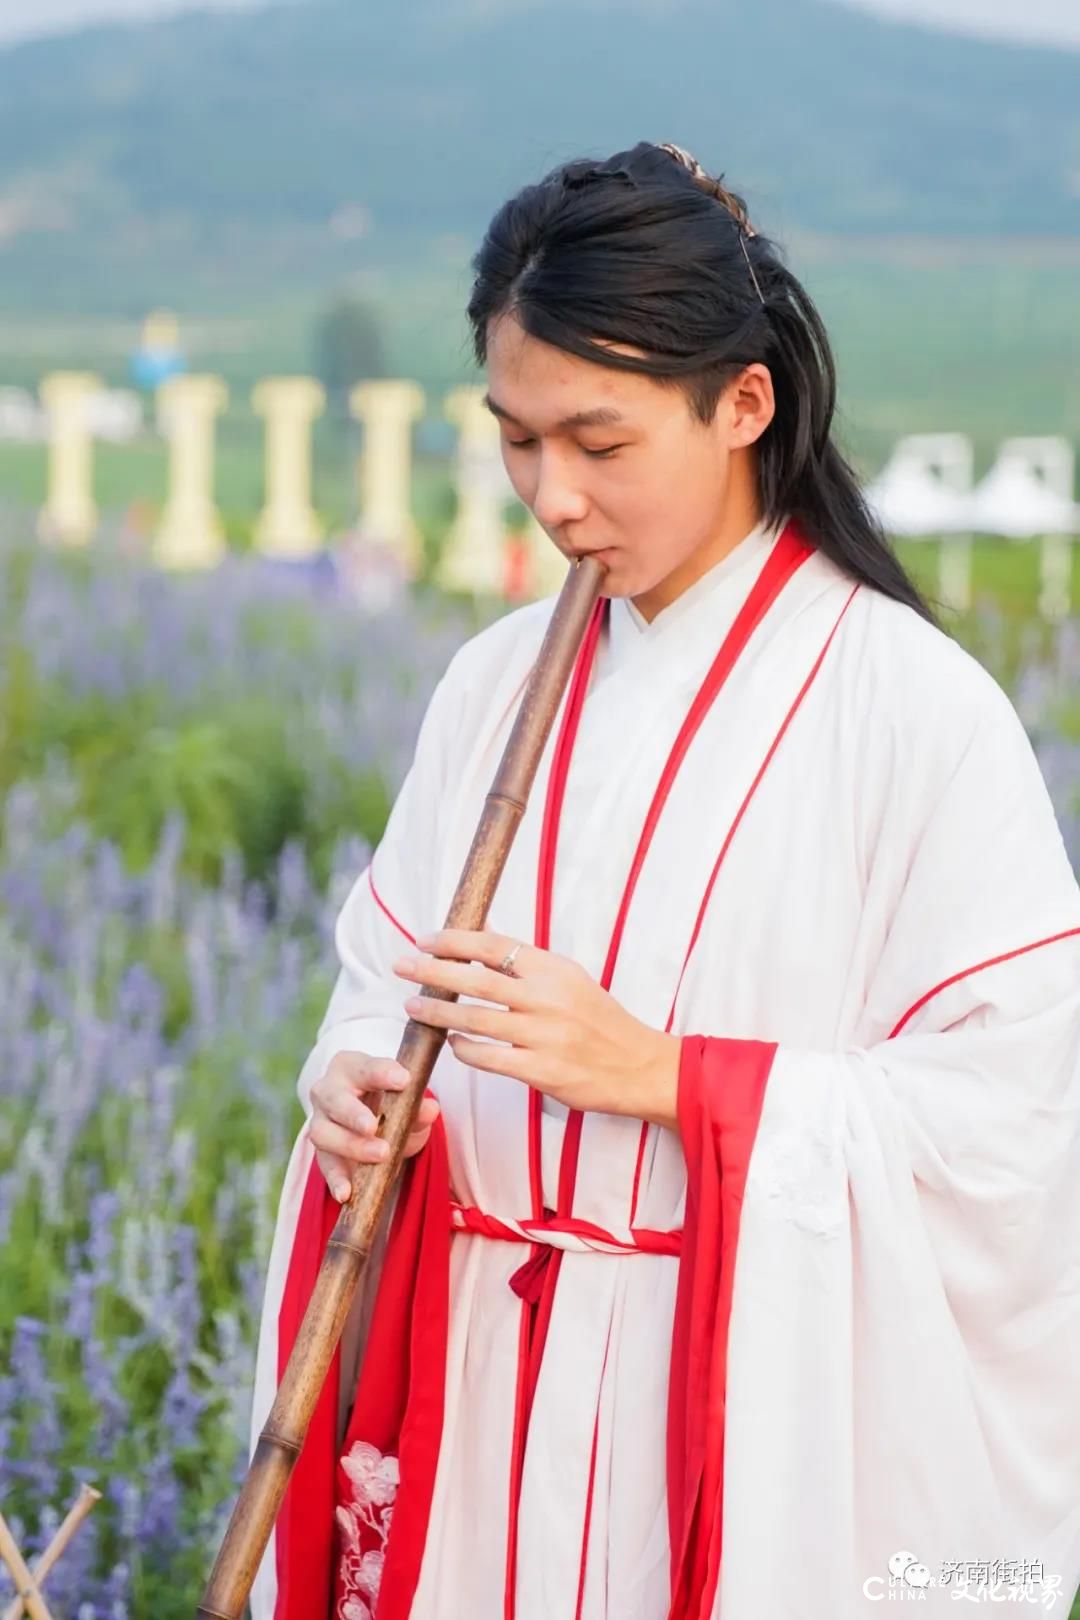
(1027, 492)
(923, 489)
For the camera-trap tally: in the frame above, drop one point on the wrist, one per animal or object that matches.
(660, 1088)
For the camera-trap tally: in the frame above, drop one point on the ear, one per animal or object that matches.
(751, 405)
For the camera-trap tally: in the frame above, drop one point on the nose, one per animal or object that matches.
(556, 499)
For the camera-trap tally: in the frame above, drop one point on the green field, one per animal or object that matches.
(929, 336)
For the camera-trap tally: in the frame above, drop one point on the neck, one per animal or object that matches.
(741, 514)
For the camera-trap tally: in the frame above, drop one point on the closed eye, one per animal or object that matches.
(599, 455)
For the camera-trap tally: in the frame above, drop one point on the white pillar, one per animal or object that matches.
(473, 557)
(954, 571)
(69, 514)
(1057, 461)
(1055, 577)
(953, 456)
(190, 534)
(387, 410)
(287, 525)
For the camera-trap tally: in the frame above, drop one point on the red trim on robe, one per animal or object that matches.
(720, 1096)
(583, 1557)
(400, 1392)
(755, 784)
(991, 961)
(721, 1090)
(381, 903)
(787, 555)
(534, 1281)
(707, 896)
(639, 1164)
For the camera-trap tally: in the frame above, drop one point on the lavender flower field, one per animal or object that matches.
(192, 772)
(179, 757)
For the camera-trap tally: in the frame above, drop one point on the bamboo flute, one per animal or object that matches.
(282, 1437)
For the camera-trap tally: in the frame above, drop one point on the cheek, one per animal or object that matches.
(633, 494)
(661, 509)
(683, 473)
(664, 520)
(518, 473)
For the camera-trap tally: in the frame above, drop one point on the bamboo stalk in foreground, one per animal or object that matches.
(350, 1243)
(29, 1598)
(75, 1515)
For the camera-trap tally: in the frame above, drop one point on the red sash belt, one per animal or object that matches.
(565, 1232)
(559, 1232)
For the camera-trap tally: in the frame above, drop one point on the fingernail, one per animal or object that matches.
(341, 1191)
(382, 1149)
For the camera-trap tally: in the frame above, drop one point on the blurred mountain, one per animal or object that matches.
(304, 136)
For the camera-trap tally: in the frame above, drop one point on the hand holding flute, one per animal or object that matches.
(343, 1126)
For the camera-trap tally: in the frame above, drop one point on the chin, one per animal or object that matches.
(621, 581)
(617, 587)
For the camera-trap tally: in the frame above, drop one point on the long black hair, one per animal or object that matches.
(647, 249)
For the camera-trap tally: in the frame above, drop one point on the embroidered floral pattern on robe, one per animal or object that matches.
(367, 1486)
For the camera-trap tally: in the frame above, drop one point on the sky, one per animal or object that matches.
(1052, 21)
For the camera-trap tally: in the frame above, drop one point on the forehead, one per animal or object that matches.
(534, 383)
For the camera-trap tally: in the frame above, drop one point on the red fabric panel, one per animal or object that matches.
(399, 1399)
(721, 1092)
(401, 1389)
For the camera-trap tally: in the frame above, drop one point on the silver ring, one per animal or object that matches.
(507, 963)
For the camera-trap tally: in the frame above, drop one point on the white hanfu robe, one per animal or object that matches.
(841, 1355)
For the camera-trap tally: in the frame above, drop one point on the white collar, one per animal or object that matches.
(629, 628)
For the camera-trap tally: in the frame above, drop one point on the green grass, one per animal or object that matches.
(991, 349)
(929, 336)
(1006, 571)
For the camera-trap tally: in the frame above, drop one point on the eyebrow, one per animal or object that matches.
(600, 416)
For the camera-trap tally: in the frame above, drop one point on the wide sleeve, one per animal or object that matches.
(387, 906)
(877, 1338)
(390, 902)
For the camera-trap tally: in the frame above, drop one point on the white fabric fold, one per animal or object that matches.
(905, 1333)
